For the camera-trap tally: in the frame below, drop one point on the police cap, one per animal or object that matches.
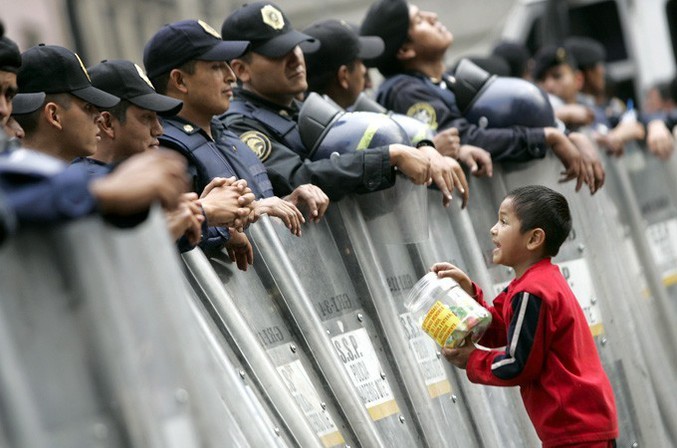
(339, 45)
(186, 40)
(10, 57)
(267, 28)
(588, 52)
(389, 20)
(55, 69)
(515, 54)
(551, 56)
(127, 81)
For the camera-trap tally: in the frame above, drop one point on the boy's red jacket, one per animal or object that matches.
(547, 349)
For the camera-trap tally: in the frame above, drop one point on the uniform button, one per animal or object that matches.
(371, 184)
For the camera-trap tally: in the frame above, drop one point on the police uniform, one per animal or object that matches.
(224, 155)
(39, 188)
(271, 131)
(434, 103)
(93, 167)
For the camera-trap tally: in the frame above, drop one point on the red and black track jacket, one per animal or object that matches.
(541, 342)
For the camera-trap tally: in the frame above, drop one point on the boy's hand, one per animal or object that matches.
(449, 270)
(459, 356)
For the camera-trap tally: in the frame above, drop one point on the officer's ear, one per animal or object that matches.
(406, 52)
(579, 79)
(105, 123)
(177, 81)
(52, 114)
(342, 76)
(241, 70)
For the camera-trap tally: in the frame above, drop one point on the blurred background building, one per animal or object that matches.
(110, 29)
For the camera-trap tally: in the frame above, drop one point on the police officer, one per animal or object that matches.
(517, 56)
(59, 126)
(10, 61)
(413, 63)
(132, 127)
(197, 73)
(556, 71)
(337, 71)
(264, 112)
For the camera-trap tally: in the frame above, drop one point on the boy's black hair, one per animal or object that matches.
(537, 206)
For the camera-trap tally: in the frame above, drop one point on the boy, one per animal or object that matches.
(539, 337)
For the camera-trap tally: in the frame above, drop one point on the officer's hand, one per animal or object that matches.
(132, 186)
(459, 356)
(312, 197)
(477, 160)
(447, 174)
(240, 249)
(227, 206)
(411, 162)
(612, 145)
(186, 219)
(274, 206)
(575, 115)
(448, 142)
(659, 139)
(570, 157)
(449, 270)
(591, 161)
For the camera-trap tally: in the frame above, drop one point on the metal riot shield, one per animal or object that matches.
(250, 317)
(339, 329)
(592, 264)
(151, 330)
(97, 350)
(644, 189)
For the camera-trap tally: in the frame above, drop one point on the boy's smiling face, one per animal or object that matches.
(511, 244)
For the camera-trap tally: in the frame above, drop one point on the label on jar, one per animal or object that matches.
(440, 322)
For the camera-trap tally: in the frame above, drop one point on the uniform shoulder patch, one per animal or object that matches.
(259, 143)
(424, 112)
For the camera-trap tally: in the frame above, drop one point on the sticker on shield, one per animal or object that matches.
(357, 353)
(301, 388)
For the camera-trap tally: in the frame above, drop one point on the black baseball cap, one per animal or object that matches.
(587, 51)
(339, 45)
(267, 28)
(389, 20)
(10, 56)
(551, 56)
(54, 69)
(515, 54)
(127, 81)
(187, 40)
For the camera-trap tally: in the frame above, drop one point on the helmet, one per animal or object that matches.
(326, 129)
(415, 129)
(498, 102)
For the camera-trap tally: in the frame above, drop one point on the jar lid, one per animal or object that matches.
(414, 301)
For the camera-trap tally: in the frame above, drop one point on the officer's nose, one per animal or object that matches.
(230, 75)
(295, 56)
(5, 109)
(156, 130)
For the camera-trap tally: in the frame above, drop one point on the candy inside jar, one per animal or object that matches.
(445, 311)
